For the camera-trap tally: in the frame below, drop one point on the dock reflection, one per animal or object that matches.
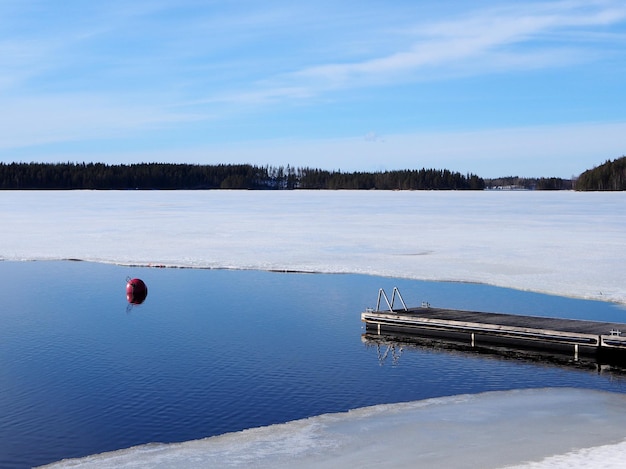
(390, 348)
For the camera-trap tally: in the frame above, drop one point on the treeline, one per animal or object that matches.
(224, 176)
(540, 184)
(610, 176)
(422, 179)
(135, 176)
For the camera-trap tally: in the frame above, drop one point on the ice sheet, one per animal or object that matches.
(537, 428)
(565, 243)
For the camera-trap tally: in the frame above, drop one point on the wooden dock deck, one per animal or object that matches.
(475, 328)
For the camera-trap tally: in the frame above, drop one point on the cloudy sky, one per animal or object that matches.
(529, 88)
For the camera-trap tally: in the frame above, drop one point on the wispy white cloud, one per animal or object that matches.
(476, 43)
(97, 70)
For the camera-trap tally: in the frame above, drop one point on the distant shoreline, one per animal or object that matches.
(166, 176)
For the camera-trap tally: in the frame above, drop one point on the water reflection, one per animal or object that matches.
(385, 349)
(390, 348)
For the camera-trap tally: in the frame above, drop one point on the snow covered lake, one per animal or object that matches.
(563, 243)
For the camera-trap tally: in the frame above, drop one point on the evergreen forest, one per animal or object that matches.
(223, 176)
(610, 176)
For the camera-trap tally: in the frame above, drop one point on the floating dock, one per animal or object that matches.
(477, 328)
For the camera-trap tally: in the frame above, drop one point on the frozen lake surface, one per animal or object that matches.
(563, 243)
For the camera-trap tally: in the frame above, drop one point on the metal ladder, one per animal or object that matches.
(382, 294)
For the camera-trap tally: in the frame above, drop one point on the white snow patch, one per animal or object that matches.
(606, 457)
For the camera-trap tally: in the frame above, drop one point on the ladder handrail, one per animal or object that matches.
(381, 293)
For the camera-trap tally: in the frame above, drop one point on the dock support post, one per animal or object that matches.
(378, 328)
(473, 341)
(576, 352)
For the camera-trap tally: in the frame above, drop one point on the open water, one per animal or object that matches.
(215, 351)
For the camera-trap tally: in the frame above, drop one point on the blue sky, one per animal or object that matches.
(533, 88)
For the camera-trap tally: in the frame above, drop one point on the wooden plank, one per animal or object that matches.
(513, 320)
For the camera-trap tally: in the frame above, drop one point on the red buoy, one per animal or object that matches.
(136, 291)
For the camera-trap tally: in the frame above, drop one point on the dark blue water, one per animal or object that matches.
(214, 351)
